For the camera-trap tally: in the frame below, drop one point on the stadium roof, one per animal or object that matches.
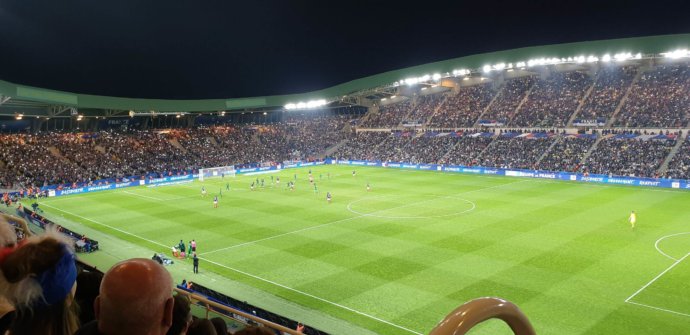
(42, 101)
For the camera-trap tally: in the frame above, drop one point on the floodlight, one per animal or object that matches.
(487, 68)
(606, 58)
(436, 76)
(675, 54)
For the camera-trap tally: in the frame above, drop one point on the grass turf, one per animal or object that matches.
(397, 259)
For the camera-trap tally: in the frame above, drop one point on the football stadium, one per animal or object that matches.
(538, 190)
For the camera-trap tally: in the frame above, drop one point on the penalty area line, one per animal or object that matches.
(655, 279)
(658, 308)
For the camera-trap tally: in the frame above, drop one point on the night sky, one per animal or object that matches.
(224, 49)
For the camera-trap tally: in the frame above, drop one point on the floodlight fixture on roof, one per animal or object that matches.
(675, 54)
(622, 56)
(307, 105)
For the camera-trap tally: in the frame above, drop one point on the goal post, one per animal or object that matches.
(227, 171)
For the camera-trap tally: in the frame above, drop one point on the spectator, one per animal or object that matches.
(181, 317)
(252, 330)
(145, 308)
(201, 327)
(220, 325)
(88, 283)
(39, 279)
(553, 101)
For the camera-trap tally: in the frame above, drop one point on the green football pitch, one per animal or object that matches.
(398, 258)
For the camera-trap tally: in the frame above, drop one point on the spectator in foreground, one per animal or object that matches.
(220, 325)
(39, 279)
(89, 283)
(201, 327)
(251, 330)
(145, 308)
(182, 315)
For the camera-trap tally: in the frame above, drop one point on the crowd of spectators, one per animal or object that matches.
(27, 161)
(635, 157)
(658, 99)
(463, 109)
(510, 96)
(679, 167)
(515, 152)
(372, 145)
(388, 116)
(51, 158)
(553, 100)
(566, 154)
(425, 149)
(467, 150)
(611, 84)
(425, 107)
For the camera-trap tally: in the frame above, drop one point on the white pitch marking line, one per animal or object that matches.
(349, 208)
(334, 222)
(254, 276)
(314, 297)
(657, 308)
(143, 196)
(656, 244)
(108, 226)
(657, 277)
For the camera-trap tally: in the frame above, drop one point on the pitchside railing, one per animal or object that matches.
(463, 318)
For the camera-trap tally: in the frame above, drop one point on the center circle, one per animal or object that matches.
(411, 206)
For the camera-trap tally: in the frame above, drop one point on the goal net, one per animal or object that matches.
(227, 171)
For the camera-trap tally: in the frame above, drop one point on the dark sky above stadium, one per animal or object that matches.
(222, 49)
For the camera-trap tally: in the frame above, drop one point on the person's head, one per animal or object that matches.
(253, 330)
(220, 325)
(182, 315)
(135, 298)
(89, 283)
(201, 327)
(39, 279)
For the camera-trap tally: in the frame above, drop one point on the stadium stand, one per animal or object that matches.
(462, 109)
(468, 148)
(425, 107)
(516, 150)
(508, 100)
(553, 101)
(567, 153)
(388, 116)
(611, 84)
(679, 167)
(659, 99)
(628, 153)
